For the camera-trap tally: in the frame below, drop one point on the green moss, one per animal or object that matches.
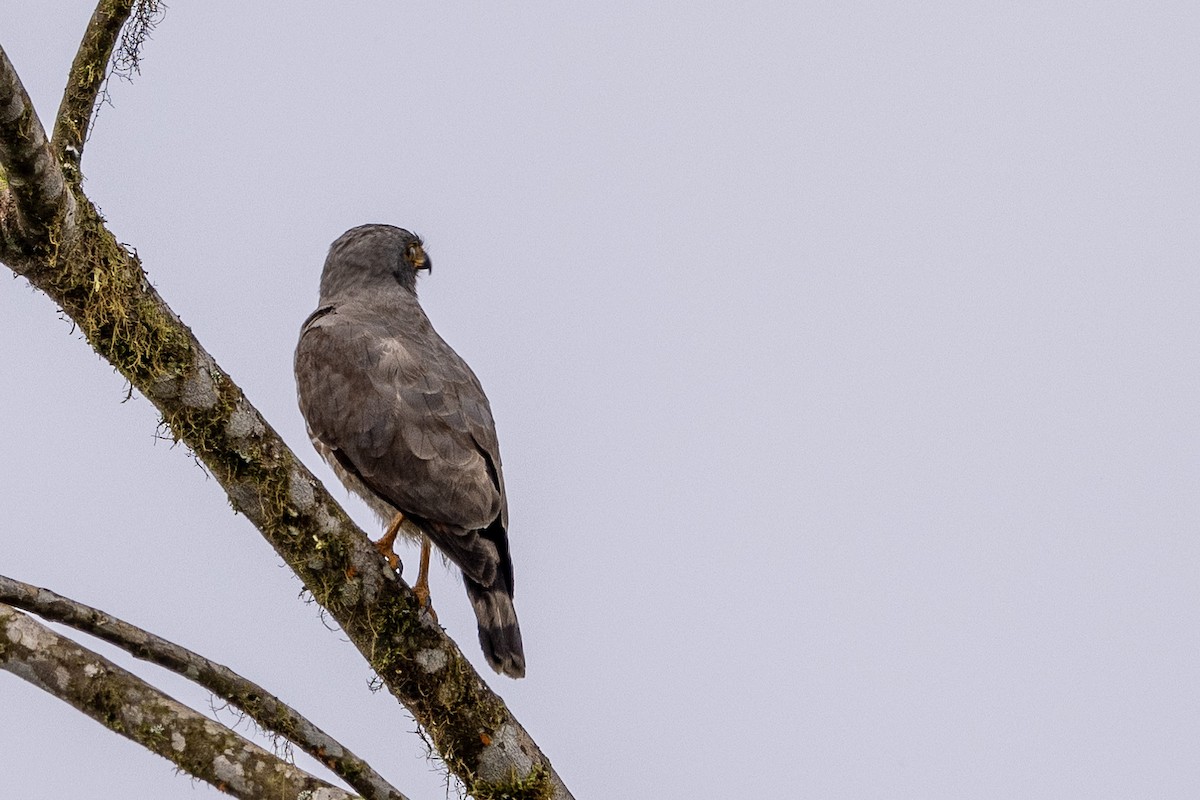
(107, 703)
(103, 288)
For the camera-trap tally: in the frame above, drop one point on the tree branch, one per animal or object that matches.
(38, 199)
(103, 289)
(88, 73)
(260, 705)
(128, 705)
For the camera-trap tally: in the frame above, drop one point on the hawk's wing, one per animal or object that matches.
(393, 399)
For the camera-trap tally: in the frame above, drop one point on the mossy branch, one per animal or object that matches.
(124, 703)
(63, 247)
(89, 71)
(268, 711)
(101, 286)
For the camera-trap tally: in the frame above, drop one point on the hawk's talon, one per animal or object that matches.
(393, 561)
(421, 587)
(422, 593)
(387, 544)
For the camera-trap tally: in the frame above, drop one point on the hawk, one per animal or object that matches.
(405, 424)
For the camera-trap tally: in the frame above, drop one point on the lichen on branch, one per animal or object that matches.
(126, 704)
(55, 237)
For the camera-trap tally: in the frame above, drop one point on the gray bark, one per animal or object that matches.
(124, 703)
(55, 238)
(36, 202)
(256, 702)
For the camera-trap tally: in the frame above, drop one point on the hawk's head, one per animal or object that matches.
(373, 257)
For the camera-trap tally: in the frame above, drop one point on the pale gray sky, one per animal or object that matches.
(844, 358)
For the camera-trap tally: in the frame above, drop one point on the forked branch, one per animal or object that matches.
(126, 704)
(66, 250)
(260, 705)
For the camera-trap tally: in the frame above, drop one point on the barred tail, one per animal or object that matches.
(499, 633)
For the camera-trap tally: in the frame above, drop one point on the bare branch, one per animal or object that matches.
(128, 705)
(40, 197)
(88, 74)
(260, 705)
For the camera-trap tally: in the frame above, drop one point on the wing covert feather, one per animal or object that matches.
(407, 412)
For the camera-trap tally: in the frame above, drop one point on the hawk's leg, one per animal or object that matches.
(421, 587)
(387, 545)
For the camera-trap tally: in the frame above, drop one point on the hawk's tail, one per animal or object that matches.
(499, 633)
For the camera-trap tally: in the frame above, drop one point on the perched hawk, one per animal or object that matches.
(405, 424)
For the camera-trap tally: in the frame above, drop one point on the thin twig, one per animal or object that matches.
(128, 705)
(260, 705)
(88, 74)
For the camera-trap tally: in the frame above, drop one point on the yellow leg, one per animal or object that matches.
(387, 545)
(421, 587)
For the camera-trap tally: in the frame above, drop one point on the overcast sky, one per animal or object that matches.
(843, 356)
